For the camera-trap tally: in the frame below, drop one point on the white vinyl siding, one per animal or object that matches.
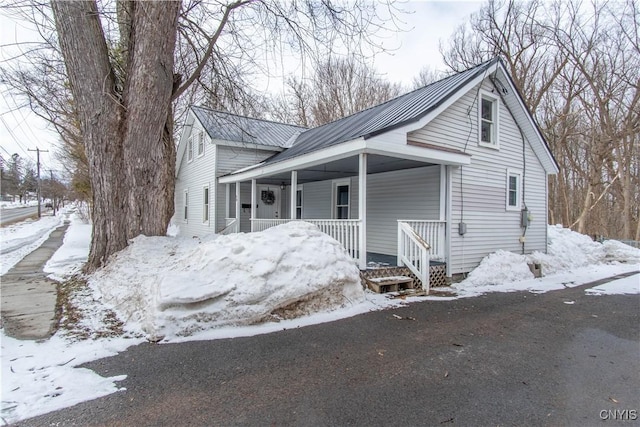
(480, 202)
(195, 176)
(231, 159)
(404, 194)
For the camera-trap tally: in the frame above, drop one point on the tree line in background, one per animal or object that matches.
(575, 64)
(19, 182)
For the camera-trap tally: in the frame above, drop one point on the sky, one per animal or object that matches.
(424, 26)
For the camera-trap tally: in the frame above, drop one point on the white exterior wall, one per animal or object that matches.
(405, 194)
(231, 159)
(194, 176)
(481, 199)
(202, 171)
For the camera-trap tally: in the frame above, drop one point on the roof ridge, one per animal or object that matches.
(245, 117)
(486, 63)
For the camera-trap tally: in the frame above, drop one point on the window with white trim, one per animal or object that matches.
(200, 139)
(341, 199)
(205, 204)
(299, 203)
(514, 189)
(190, 148)
(185, 200)
(488, 121)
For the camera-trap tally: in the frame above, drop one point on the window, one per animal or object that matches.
(341, 199)
(513, 190)
(200, 139)
(488, 121)
(190, 148)
(186, 205)
(299, 203)
(205, 204)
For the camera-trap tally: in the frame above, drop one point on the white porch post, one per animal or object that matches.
(227, 195)
(237, 206)
(362, 210)
(448, 214)
(294, 191)
(443, 192)
(254, 210)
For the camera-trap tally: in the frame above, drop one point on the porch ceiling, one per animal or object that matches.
(343, 168)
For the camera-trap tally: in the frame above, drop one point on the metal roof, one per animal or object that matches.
(394, 113)
(231, 127)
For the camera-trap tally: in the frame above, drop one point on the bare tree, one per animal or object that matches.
(339, 87)
(577, 66)
(126, 76)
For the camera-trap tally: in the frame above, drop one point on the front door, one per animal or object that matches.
(268, 202)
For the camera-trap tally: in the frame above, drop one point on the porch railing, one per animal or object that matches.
(232, 226)
(431, 232)
(413, 252)
(345, 231)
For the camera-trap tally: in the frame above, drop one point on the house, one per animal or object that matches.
(449, 172)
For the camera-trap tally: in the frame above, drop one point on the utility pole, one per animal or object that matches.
(38, 151)
(53, 192)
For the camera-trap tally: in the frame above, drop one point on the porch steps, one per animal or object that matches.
(393, 278)
(383, 285)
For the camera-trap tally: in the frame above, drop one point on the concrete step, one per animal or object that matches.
(386, 284)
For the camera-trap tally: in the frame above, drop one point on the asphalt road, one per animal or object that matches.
(559, 358)
(8, 216)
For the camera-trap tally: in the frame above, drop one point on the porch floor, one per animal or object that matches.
(375, 260)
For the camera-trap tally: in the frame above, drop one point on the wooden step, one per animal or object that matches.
(386, 284)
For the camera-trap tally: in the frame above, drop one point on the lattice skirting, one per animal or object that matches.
(437, 275)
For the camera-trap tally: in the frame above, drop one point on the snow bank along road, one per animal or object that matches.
(559, 358)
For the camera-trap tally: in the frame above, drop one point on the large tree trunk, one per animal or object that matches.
(149, 156)
(94, 88)
(127, 135)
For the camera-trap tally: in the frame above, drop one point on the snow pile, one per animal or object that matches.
(170, 287)
(499, 267)
(625, 286)
(566, 251)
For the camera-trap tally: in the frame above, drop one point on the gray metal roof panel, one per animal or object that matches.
(231, 127)
(396, 112)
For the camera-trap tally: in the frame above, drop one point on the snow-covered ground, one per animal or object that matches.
(176, 289)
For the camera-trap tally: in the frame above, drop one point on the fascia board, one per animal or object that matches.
(420, 154)
(314, 158)
(251, 145)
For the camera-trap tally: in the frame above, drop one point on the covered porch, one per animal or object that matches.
(384, 208)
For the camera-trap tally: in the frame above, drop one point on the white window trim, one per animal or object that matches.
(496, 120)
(334, 187)
(206, 206)
(190, 148)
(200, 143)
(300, 188)
(518, 175)
(185, 206)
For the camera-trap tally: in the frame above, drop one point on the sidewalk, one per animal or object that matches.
(28, 297)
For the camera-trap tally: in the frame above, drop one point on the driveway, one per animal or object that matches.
(560, 358)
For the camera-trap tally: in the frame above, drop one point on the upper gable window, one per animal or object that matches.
(488, 119)
(190, 148)
(200, 139)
